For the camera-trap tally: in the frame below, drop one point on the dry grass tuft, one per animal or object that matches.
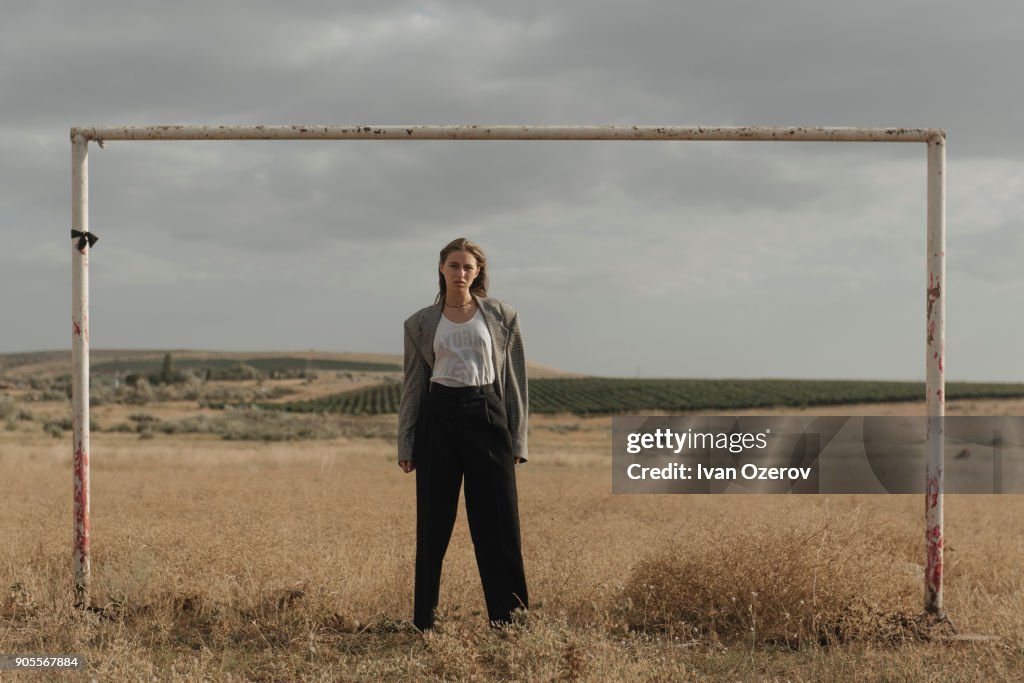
(790, 580)
(535, 647)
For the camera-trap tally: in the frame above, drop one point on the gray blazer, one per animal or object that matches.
(509, 368)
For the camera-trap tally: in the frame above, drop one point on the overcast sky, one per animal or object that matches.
(685, 259)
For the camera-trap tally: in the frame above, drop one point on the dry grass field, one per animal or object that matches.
(240, 560)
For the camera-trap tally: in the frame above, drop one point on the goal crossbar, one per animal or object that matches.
(469, 132)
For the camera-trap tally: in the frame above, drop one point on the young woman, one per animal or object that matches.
(463, 414)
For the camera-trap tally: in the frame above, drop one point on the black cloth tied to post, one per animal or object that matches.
(83, 238)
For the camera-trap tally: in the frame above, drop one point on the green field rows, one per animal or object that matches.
(600, 395)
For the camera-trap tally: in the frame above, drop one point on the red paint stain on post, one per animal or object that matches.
(935, 544)
(933, 539)
(81, 467)
(934, 292)
(76, 329)
(932, 496)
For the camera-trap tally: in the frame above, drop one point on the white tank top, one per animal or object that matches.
(462, 353)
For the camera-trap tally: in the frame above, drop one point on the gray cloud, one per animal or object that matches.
(702, 259)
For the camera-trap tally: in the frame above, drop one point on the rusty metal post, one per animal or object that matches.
(936, 381)
(80, 363)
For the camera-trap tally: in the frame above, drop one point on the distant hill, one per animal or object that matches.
(54, 363)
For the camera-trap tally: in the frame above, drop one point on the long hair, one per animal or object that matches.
(479, 286)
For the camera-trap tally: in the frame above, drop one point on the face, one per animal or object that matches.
(459, 269)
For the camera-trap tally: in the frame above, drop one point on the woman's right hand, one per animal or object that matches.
(407, 465)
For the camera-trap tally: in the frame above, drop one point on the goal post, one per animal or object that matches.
(935, 294)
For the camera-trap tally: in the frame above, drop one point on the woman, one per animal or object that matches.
(463, 413)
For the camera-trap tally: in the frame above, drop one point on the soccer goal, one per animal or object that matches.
(935, 307)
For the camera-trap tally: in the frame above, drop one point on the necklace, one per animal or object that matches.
(458, 305)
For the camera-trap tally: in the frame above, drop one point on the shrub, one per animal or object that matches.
(237, 371)
(9, 409)
(790, 580)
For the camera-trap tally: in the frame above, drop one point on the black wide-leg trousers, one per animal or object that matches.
(464, 433)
